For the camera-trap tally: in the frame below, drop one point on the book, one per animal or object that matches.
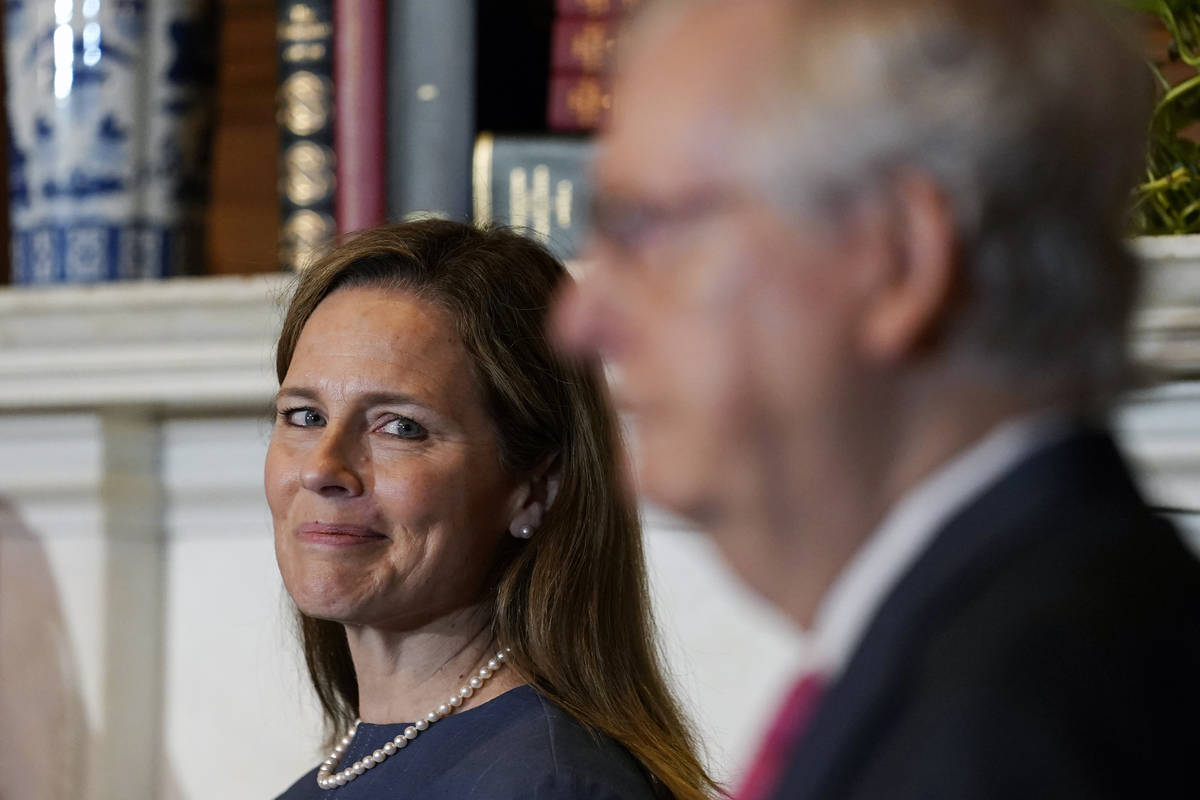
(578, 102)
(359, 113)
(536, 185)
(305, 115)
(430, 107)
(583, 45)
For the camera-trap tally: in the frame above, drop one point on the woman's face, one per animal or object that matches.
(383, 475)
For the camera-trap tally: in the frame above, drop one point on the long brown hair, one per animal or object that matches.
(571, 602)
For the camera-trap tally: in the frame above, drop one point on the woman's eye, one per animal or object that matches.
(302, 418)
(405, 428)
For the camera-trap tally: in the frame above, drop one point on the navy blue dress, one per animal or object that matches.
(518, 745)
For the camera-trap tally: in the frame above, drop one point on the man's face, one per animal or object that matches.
(722, 315)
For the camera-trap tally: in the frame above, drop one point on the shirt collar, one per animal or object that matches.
(909, 527)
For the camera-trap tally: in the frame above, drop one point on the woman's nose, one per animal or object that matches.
(333, 466)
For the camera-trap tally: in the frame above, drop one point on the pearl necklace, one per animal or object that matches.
(328, 779)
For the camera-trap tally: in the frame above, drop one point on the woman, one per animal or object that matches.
(450, 522)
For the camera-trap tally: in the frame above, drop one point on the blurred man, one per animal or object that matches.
(859, 266)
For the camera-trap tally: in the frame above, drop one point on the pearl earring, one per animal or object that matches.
(524, 533)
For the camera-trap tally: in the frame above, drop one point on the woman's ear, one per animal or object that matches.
(539, 492)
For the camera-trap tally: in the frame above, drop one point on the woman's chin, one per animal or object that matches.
(324, 609)
(322, 598)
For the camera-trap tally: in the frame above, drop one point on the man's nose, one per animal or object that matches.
(585, 322)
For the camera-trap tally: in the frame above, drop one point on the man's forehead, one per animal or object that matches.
(707, 40)
(685, 88)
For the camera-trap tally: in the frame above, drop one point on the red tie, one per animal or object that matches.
(785, 732)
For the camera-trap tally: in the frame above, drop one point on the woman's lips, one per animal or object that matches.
(339, 534)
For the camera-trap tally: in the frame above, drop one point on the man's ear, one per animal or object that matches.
(913, 293)
(536, 497)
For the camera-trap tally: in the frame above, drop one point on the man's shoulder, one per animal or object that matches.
(1088, 612)
(1090, 620)
(1063, 543)
(1050, 649)
(1071, 669)
(1086, 688)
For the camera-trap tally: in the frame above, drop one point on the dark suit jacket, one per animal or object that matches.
(1047, 644)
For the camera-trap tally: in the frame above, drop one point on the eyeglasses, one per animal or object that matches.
(631, 225)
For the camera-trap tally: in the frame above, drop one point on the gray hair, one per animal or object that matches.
(1030, 115)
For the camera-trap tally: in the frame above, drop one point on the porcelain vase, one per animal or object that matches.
(109, 111)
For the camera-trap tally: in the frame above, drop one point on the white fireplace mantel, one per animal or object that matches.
(199, 343)
(205, 343)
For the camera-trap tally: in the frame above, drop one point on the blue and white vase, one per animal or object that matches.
(109, 111)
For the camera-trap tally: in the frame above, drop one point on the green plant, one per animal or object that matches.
(1168, 200)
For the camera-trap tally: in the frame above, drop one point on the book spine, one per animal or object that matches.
(307, 172)
(359, 103)
(579, 102)
(430, 107)
(535, 184)
(594, 8)
(581, 45)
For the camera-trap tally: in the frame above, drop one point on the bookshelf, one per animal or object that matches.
(243, 218)
(509, 57)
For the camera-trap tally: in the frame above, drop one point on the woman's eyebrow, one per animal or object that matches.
(389, 398)
(374, 398)
(296, 391)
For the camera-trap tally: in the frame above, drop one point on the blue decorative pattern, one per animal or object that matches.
(109, 112)
(88, 251)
